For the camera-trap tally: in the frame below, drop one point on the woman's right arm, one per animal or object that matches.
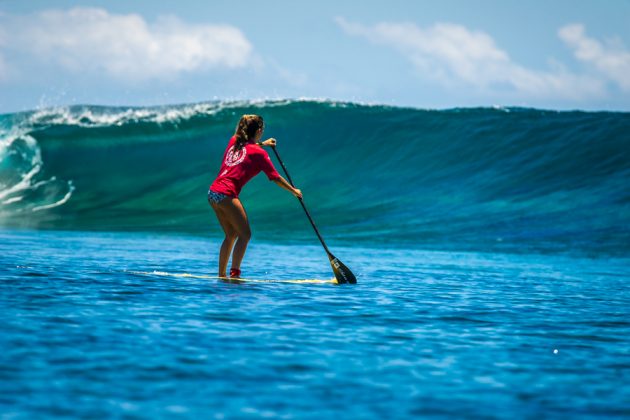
(281, 182)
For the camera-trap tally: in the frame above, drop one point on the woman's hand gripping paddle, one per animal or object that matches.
(342, 273)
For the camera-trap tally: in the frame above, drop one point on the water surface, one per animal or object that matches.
(424, 333)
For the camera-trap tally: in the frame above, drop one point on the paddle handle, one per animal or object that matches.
(310, 219)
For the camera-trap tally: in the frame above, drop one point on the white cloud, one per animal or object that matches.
(454, 55)
(125, 46)
(612, 60)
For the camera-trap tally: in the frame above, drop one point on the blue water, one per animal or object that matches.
(492, 180)
(491, 248)
(424, 333)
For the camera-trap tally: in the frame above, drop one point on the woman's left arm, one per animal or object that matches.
(281, 182)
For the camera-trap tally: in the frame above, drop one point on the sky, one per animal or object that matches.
(427, 54)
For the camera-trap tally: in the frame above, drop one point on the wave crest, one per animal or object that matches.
(469, 177)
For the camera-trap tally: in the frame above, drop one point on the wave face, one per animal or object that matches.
(484, 179)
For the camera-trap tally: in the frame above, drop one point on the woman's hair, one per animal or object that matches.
(246, 129)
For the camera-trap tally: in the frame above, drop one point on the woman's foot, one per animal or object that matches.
(235, 273)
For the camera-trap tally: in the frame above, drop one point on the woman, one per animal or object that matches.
(244, 158)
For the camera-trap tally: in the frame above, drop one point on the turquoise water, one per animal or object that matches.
(424, 333)
(491, 248)
(517, 180)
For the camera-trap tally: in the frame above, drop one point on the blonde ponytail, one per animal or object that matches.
(246, 129)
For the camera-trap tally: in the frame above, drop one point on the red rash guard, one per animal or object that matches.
(239, 166)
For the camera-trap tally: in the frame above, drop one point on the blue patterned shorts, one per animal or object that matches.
(215, 197)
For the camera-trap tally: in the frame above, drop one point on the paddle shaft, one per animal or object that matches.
(310, 219)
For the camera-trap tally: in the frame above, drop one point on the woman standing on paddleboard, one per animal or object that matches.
(244, 158)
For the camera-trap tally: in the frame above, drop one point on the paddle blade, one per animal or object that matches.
(342, 273)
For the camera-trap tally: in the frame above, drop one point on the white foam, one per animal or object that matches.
(30, 152)
(102, 117)
(94, 116)
(13, 200)
(60, 202)
(23, 184)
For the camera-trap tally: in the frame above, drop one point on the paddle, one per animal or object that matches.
(342, 273)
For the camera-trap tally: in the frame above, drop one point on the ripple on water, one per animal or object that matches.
(421, 334)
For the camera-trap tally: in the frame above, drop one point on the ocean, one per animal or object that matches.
(491, 248)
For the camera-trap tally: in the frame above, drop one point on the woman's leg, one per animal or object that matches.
(232, 214)
(238, 219)
(228, 241)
